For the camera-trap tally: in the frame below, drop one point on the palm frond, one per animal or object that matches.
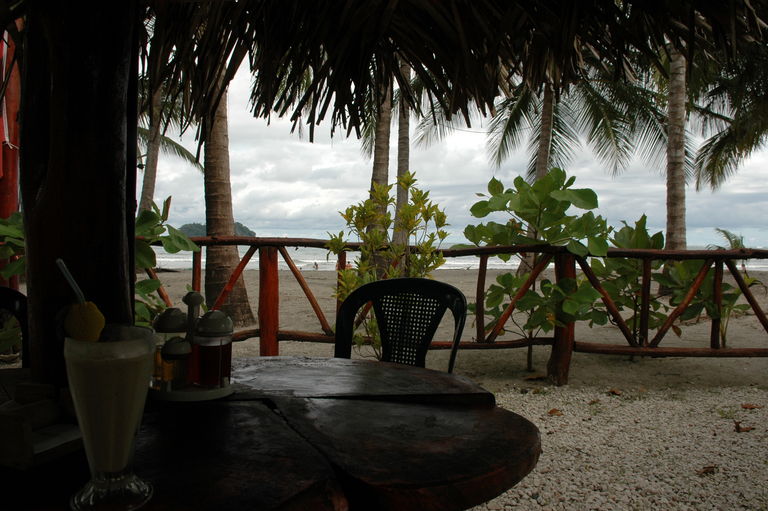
(719, 156)
(606, 124)
(734, 241)
(169, 146)
(514, 115)
(455, 47)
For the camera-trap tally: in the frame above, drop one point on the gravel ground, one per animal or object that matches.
(620, 449)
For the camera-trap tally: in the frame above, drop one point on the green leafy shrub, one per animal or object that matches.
(152, 227)
(12, 237)
(622, 277)
(373, 223)
(679, 278)
(541, 208)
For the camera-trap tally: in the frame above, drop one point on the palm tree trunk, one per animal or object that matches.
(220, 261)
(403, 157)
(676, 235)
(153, 151)
(545, 137)
(542, 163)
(380, 174)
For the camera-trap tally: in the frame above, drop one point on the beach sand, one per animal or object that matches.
(500, 369)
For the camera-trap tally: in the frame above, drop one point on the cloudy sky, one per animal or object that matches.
(283, 185)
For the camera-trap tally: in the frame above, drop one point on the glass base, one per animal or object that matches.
(121, 491)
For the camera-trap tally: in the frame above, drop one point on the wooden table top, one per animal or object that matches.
(332, 434)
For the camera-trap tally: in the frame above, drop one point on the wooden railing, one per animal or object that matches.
(638, 341)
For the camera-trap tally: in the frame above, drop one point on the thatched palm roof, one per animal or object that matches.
(322, 59)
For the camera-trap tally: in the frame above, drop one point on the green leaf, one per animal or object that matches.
(495, 187)
(480, 209)
(597, 246)
(147, 286)
(577, 248)
(145, 256)
(498, 202)
(181, 241)
(166, 209)
(16, 267)
(146, 223)
(472, 233)
(584, 198)
(570, 307)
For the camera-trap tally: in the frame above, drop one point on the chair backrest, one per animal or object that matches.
(15, 303)
(408, 312)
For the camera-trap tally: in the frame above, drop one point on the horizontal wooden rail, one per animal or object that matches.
(637, 338)
(667, 351)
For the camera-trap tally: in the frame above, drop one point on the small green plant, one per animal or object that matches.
(541, 208)
(678, 279)
(622, 277)
(373, 222)
(12, 238)
(152, 227)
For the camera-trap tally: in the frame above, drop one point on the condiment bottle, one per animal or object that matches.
(172, 322)
(175, 352)
(212, 348)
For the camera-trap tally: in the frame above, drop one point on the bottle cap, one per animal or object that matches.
(170, 320)
(214, 324)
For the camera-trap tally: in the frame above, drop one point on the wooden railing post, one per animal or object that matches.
(717, 292)
(341, 264)
(560, 359)
(480, 299)
(269, 302)
(197, 269)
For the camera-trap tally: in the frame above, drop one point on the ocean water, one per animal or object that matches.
(321, 259)
(306, 258)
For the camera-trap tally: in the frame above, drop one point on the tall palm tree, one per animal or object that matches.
(609, 115)
(676, 175)
(152, 139)
(219, 221)
(403, 156)
(376, 137)
(383, 124)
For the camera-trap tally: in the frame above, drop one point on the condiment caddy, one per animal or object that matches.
(193, 361)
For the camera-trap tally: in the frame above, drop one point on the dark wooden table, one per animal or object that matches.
(333, 434)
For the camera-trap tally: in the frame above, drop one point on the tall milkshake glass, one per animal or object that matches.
(109, 381)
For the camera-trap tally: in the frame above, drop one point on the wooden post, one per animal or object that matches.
(197, 269)
(562, 349)
(645, 302)
(269, 302)
(717, 291)
(480, 299)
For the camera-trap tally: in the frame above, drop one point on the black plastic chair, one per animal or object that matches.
(408, 312)
(15, 303)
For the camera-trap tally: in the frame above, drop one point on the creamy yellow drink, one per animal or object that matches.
(109, 383)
